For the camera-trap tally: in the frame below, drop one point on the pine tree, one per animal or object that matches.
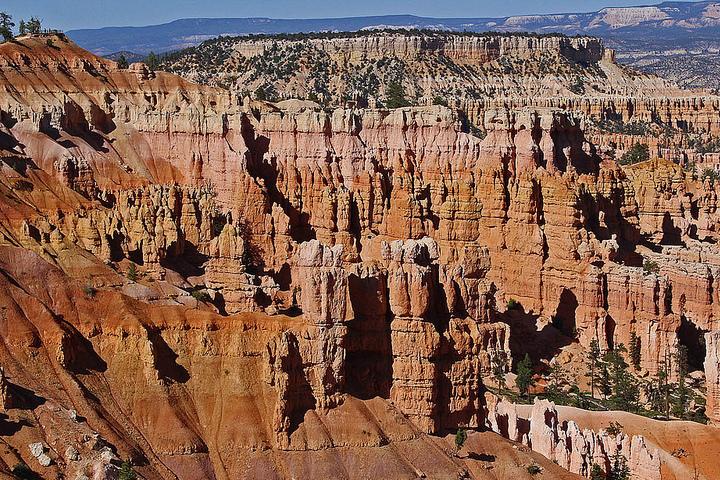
(132, 273)
(524, 379)
(34, 25)
(625, 390)
(605, 385)
(395, 95)
(635, 352)
(619, 469)
(6, 26)
(122, 62)
(460, 437)
(152, 61)
(499, 365)
(22, 28)
(592, 364)
(682, 398)
(556, 377)
(596, 473)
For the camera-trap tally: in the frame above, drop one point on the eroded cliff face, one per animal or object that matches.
(207, 278)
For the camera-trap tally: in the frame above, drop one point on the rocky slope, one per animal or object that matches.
(227, 290)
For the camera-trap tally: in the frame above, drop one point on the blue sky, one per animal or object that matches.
(72, 14)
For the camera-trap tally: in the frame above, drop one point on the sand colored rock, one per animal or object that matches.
(571, 447)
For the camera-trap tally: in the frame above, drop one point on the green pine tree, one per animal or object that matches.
(625, 389)
(604, 384)
(619, 469)
(682, 397)
(34, 25)
(499, 364)
(596, 473)
(122, 62)
(556, 378)
(460, 437)
(6, 26)
(395, 95)
(593, 357)
(524, 379)
(152, 61)
(634, 351)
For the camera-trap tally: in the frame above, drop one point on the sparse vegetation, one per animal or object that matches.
(122, 62)
(460, 437)
(637, 153)
(6, 26)
(127, 472)
(524, 379)
(614, 429)
(641, 129)
(534, 469)
(710, 174)
(200, 295)
(650, 266)
(89, 291)
(132, 273)
(512, 304)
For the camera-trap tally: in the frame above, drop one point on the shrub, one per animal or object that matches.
(127, 472)
(200, 295)
(512, 304)
(89, 291)
(460, 437)
(614, 429)
(22, 186)
(132, 273)
(438, 100)
(710, 174)
(650, 267)
(637, 153)
(534, 469)
(122, 62)
(578, 87)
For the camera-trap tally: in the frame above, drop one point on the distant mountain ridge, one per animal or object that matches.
(658, 27)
